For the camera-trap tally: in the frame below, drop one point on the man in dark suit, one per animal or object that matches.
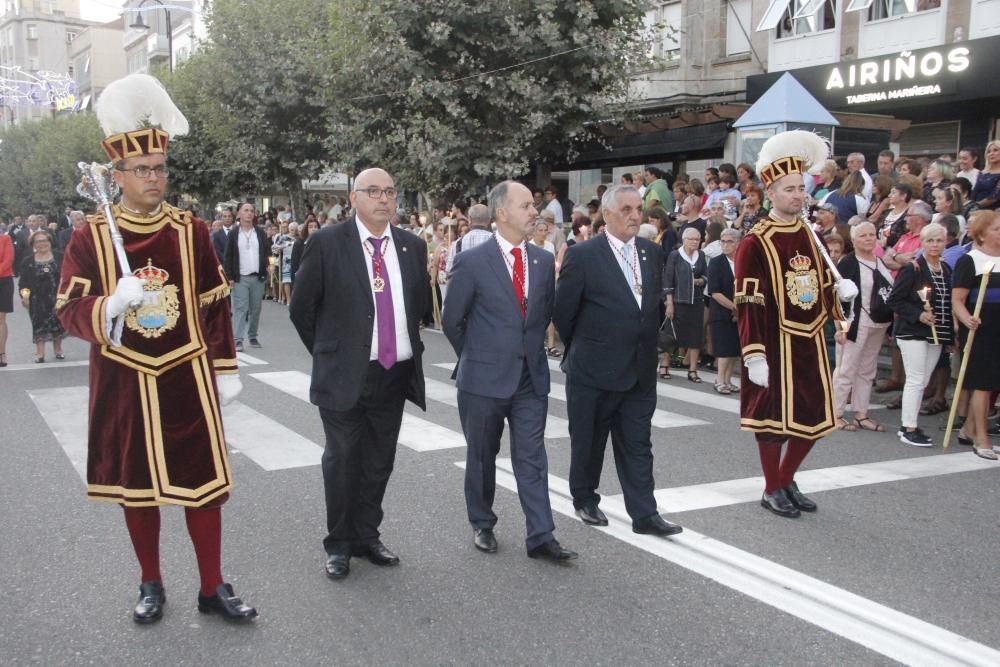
(357, 303)
(220, 236)
(607, 314)
(498, 306)
(77, 220)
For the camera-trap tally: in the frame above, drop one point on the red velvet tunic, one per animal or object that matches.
(784, 295)
(155, 433)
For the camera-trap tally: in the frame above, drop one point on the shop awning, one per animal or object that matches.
(682, 143)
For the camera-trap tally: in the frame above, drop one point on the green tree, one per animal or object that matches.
(38, 172)
(451, 95)
(251, 95)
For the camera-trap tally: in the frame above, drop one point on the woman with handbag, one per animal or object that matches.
(858, 347)
(921, 299)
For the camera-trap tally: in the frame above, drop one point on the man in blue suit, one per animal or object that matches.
(499, 303)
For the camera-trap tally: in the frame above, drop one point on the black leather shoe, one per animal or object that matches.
(779, 503)
(799, 499)
(378, 554)
(551, 550)
(149, 607)
(656, 525)
(592, 515)
(485, 540)
(226, 603)
(338, 566)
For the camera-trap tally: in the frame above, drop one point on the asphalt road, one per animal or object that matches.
(898, 565)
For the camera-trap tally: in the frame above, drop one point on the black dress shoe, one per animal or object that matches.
(485, 540)
(338, 566)
(592, 515)
(799, 499)
(551, 550)
(779, 503)
(656, 525)
(226, 603)
(149, 607)
(378, 554)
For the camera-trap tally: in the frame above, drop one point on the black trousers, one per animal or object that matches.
(359, 456)
(627, 416)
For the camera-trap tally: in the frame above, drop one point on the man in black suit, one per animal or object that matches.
(496, 312)
(220, 236)
(607, 314)
(357, 303)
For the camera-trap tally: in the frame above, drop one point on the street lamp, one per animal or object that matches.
(139, 24)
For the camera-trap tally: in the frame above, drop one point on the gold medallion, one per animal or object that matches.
(378, 284)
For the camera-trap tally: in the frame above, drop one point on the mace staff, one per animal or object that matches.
(97, 186)
(983, 282)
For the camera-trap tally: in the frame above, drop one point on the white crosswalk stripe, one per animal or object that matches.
(416, 433)
(243, 359)
(557, 391)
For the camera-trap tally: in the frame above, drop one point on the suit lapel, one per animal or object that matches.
(650, 298)
(610, 258)
(407, 269)
(535, 278)
(499, 266)
(356, 260)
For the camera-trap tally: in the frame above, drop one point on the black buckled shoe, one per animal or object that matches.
(779, 503)
(799, 499)
(149, 607)
(226, 603)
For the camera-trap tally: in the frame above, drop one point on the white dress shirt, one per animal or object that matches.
(506, 246)
(469, 241)
(556, 209)
(619, 248)
(390, 266)
(249, 248)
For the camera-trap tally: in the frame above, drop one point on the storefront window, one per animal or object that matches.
(801, 19)
(883, 9)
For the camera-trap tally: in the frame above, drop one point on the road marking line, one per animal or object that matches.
(661, 418)
(416, 433)
(44, 367)
(244, 359)
(875, 626)
(265, 441)
(65, 411)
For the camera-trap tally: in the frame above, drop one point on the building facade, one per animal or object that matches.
(96, 58)
(34, 66)
(150, 30)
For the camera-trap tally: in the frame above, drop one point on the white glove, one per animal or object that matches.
(229, 387)
(127, 294)
(757, 370)
(846, 289)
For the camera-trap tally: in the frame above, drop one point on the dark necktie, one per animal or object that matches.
(383, 307)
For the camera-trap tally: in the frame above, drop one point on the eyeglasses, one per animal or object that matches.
(142, 171)
(376, 193)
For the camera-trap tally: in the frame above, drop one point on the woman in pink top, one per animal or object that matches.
(6, 291)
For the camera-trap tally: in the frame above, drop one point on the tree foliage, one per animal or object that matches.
(450, 95)
(38, 172)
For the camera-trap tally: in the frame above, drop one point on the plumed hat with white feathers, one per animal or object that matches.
(792, 152)
(138, 117)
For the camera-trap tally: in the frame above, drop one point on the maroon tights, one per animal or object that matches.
(780, 471)
(204, 525)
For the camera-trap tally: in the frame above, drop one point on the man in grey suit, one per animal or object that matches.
(498, 306)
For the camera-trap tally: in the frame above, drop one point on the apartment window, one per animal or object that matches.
(31, 30)
(812, 16)
(70, 36)
(883, 9)
(33, 64)
(738, 27)
(670, 31)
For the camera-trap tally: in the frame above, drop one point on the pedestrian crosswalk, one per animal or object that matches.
(273, 445)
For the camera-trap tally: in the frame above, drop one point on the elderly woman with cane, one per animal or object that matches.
(976, 284)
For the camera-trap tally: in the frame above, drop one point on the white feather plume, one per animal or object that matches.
(809, 146)
(135, 101)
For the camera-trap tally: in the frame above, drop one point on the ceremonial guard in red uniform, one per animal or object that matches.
(162, 351)
(786, 290)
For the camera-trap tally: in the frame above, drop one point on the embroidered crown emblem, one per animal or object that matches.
(800, 263)
(155, 277)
